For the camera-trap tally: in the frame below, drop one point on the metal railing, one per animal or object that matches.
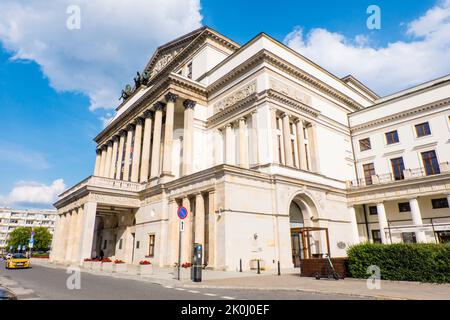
(407, 174)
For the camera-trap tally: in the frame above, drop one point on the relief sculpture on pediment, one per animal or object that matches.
(235, 97)
(290, 91)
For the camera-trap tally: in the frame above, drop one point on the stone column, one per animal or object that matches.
(189, 106)
(112, 171)
(187, 234)
(243, 144)
(312, 142)
(87, 230)
(218, 147)
(122, 134)
(212, 229)
(103, 161)
(417, 219)
(174, 223)
(137, 150)
(199, 219)
(354, 223)
(155, 168)
(77, 236)
(126, 167)
(145, 163)
(287, 141)
(108, 159)
(168, 133)
(57, 238)
(273, 118)
(70, 234)
(254, 137)
(229, 152)
(301, 145)
(382, 221)
(98, 159)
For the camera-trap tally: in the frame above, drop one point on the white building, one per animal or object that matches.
(261, 146)
(11, 219)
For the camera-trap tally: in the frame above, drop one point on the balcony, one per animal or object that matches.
(408, 174)
(107, 183)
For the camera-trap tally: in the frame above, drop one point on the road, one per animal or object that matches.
(41, 282)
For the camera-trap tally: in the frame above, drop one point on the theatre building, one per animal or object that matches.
(274, 158)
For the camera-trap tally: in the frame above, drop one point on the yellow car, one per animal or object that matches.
(17, 261)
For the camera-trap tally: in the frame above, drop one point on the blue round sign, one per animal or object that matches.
(182, 212)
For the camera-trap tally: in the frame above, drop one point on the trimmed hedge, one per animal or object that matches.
(423, 262)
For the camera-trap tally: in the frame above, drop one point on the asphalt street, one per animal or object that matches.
(41, 282)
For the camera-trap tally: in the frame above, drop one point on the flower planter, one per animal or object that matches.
(145, 269)
(120, 267)
(96, 265)
(107, 266)
(87, 264)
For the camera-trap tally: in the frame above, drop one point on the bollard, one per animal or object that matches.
(240, 265)
(259, 270)
(279, 271)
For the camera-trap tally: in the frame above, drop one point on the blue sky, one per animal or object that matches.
(57, 86)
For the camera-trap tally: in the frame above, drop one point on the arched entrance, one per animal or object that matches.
(308, 240)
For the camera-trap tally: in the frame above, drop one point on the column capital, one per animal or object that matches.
(109, 143)
(189, 104)
(122, 132)
(98, 150)
(115, 138)
(104, 147)
(148, 114)
(159, 106)
(130, 127)
(139, 121)
(171, 97)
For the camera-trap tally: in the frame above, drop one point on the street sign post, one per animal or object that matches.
(182, 214)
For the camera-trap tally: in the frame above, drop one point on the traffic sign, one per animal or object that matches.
(182, 212)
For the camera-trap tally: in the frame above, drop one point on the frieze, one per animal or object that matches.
(289, 91)
(116, 200)
(235, 97)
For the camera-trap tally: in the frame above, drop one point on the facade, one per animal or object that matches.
(256, 141)
(10, 219)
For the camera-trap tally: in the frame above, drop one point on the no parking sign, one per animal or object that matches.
(182, 212)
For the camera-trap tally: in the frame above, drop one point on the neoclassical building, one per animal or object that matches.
(261, 146)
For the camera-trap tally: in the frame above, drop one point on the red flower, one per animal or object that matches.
(186, 265)
(117, 261)
(106, 260)
(88, 259)
(144, 262)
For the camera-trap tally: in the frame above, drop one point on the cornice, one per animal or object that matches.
(400, 115)
(297, 105)
(266, 56)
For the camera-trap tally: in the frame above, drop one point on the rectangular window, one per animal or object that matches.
(105, 243)
(280, 157)
(369, 171)
(430, 163)
(151, 245)
(423, 129)
(397, 168)
(373, 210)
(404, 207)
(120, 244)
(392, 137)
(409, 237)
(293, 151)
(364, 144)
(439, 203)
(376, 236)
(138, 244)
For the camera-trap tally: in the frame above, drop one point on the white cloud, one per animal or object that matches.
(115, 40)
(33, 194)
(388, 69)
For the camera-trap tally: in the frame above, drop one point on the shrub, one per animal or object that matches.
(423, 262)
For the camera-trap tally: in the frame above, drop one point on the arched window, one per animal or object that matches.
(295, 216)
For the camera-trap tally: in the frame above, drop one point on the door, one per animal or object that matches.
(297, 247)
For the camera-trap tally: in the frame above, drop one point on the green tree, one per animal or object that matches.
(21, 236)
(42, 239)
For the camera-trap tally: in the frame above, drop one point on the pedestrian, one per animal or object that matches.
(102, 254)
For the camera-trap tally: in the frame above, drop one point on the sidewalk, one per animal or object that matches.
(355, 287)
(289, 280)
